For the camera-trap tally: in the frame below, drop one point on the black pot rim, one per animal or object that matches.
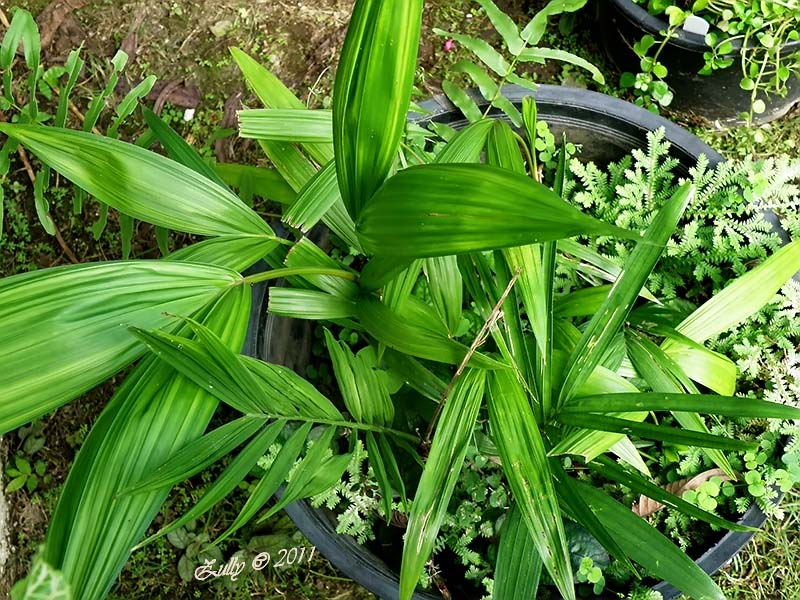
(317, 525)
(689, 41)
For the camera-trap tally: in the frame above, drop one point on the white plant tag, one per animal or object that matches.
(695, 24)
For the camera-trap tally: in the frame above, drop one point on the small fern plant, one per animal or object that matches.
(494, 68)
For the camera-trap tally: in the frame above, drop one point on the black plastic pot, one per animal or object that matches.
(716, 97)
(608, 128)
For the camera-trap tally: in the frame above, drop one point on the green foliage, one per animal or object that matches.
(497, 68)
(502, 385)
(753, 34)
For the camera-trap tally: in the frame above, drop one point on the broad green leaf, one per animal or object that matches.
(274, 94)
(177, 148)
(481, 48)
(233, 474)
(445, 460)
(397, 291)
(611, 470)
(381, 270)
(656, 368)
(321, 192)
(662, 433)
(710, 404)
(462, 100)
(586, 442)
(468, 144)
(627, 452)
(364, 393)
(519, 567)
(743, 297)
(505, 27)
(64, 330)
(140, 183)
(236, 252)
(307, 254)
(415, 374)
(444, 209)
(286, 125)
(372, 93)
(289, 394)
(265, 182)
(535, 29)
(272, 479)
(220, 373)
(414, 338)
(541, 55)
(650, 548)
(603, 267)
(197, 455)
(502, 148)
(606, 323)
(446, 289)
(152, 415)
(309, 304)
(527, 469)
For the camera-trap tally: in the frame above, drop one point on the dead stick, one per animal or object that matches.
(4, 20)
(32, 176)
(483, 334)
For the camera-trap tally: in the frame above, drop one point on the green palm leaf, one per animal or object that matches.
(372, 93)
(64, 330)
(444, 209)
(140, 183)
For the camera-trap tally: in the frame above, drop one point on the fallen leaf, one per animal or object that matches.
(647, 506)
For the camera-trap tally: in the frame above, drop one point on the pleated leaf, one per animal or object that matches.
(228, 480)
(415, 338)
(446, 289)
(363, 392)
(64, 330)
(309, 304)
(140, 183)
(467, 145)
(662, 433)
(742, 298)
(152, 415)
(527, 469)
(235, 252)
(650, 548)
(606, 323)
(286, 125)
(519, 567)
(445, 460)
(289, 394)
(306, 253)
(710, 404)
(655, 367)
(197, 455)
(274, 477)
(274, 94)
(178, 149)
(444, 209)
(371, 94)
(265, 182)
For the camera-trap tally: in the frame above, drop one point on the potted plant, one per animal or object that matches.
(77, 323)
(727, 62)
